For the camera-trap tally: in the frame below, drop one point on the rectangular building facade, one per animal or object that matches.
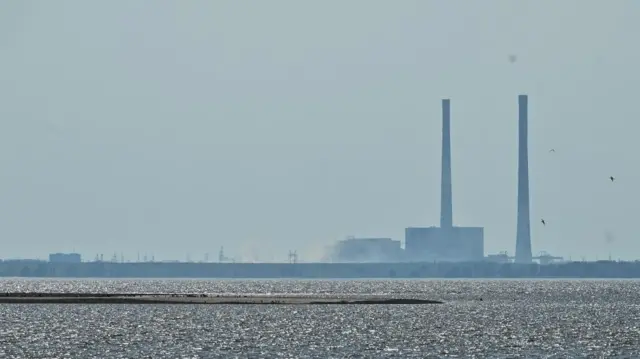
(422, 244)
(367, 250)
(65, 258)
(454, 244)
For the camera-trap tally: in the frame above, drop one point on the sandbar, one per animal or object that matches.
(141, 298)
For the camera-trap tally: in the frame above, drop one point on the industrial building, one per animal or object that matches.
(367, 250)
(65, 258)
(453, 244)
(447, 242)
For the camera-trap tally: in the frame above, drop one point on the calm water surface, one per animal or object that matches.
(545, 319)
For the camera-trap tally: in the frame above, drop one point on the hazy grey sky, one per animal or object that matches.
(175, 127)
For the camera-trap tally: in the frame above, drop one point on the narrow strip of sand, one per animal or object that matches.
(128, 298)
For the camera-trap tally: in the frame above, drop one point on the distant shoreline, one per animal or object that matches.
(128, 298)
(409, 270)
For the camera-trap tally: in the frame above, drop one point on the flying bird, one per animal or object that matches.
(513, 58)
(609, 237)
(612, 178)
(543, 222)
(552, 150)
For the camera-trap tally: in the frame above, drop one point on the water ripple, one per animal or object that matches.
(551, 319)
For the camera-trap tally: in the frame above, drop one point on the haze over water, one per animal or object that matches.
(173, 128)
(550, 319)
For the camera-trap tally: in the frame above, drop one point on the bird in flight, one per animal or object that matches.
(552, 150)
(612, 178)
(543, 222)
(513, 58)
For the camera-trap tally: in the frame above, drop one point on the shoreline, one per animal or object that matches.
(211, 299)
(359, 271)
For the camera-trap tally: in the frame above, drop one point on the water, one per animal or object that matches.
(546, 319)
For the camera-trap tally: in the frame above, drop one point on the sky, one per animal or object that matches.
(173, 128)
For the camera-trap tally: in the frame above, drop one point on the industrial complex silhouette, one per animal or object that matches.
(448, 242)
(436, 252)
(447, 251)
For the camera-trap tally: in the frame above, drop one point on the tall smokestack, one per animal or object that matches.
(446, 201)
(523, 234)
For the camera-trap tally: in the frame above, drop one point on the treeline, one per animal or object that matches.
(600, 269)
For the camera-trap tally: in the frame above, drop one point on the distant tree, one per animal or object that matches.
(505, 271)
(453, 272)
(71, 271)
(41, 270)
(25, 271)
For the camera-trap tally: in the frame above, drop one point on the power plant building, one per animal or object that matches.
(65, 258)
(447, 242)
(362, 250)
(455, 244)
